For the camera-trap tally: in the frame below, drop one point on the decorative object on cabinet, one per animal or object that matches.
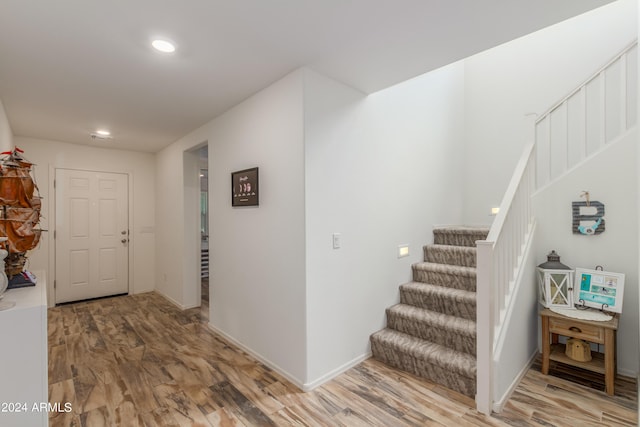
(577, 349)
(555, 283)
(599, 289)
(588, 216)
(244, 188)
(19, 210)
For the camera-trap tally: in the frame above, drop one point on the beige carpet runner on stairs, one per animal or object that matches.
(432, 331)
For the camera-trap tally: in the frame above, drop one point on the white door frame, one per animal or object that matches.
(51, 297)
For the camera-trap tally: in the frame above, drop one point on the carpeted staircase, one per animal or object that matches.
(432, 332)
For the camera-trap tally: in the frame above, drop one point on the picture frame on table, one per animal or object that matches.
(599, 289)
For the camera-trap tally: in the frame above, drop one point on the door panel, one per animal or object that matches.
(92, 234)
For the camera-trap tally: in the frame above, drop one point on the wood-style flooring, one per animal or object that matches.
(139, 361)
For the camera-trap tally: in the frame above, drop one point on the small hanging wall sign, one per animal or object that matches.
(588, 216)
(244, 188)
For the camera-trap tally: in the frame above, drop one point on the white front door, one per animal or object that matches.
(92, 234)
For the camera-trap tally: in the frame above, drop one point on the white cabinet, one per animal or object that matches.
(23, 356)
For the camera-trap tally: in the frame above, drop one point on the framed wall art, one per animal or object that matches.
(244, 188)
(599, 289)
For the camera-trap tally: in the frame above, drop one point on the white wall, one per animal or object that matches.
(609, 178)
(529, 75)
(381, 170)
(48, 155)
(257, 270)
(6, 136)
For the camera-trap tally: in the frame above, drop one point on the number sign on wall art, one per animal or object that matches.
(244, 188)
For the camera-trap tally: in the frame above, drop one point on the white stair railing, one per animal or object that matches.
(498, 260)
(596, 113)
(582, 123)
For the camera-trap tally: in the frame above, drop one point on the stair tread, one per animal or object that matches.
(455, 361)
(462, 229)
(450, 254)
(439, 246)
(445, 268)
(454, 324)
(440, 290)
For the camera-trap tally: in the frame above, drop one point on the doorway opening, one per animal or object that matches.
(204, 238)
(196, 269)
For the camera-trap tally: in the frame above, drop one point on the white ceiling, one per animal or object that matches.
(68, 67)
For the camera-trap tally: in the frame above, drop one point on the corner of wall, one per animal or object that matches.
(6, 135)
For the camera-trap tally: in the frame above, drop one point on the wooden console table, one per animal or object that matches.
(554, 325)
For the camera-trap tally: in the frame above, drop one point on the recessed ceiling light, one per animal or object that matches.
(101, 134)
(163, 46)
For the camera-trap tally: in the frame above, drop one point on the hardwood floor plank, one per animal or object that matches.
(126, 415)
(183, 410)
(63, 392)
(159, 417)
(55, 327)
(223, 418)
(139, 360)
(299, 415)
(373, 411)
(138, 386)
(99, 417)
(59, 369)
(77, 349)
(229, 397)
(285, 393)
(70, 321)
(200, 366)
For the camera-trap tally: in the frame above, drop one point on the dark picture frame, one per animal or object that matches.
(244, 188)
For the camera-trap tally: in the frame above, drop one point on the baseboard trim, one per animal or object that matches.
(258, 357)
(498, 405)
(340, 370)
(174, 302)
(628, 373)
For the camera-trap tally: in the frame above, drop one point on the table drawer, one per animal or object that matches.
(576, 330)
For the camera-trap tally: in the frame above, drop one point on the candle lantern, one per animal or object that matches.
(555, 283)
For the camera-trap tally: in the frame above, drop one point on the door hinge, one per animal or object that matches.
(54, 183)
(54, 284)
(54, 234)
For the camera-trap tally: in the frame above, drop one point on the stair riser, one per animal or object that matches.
(440, 304)
(449, 255)
(421, 368)
(433, 333)
(443, 238)
(467, 283)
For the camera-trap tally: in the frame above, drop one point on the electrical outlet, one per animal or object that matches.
(337, 240)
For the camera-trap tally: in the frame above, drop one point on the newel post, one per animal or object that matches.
(485, 326)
